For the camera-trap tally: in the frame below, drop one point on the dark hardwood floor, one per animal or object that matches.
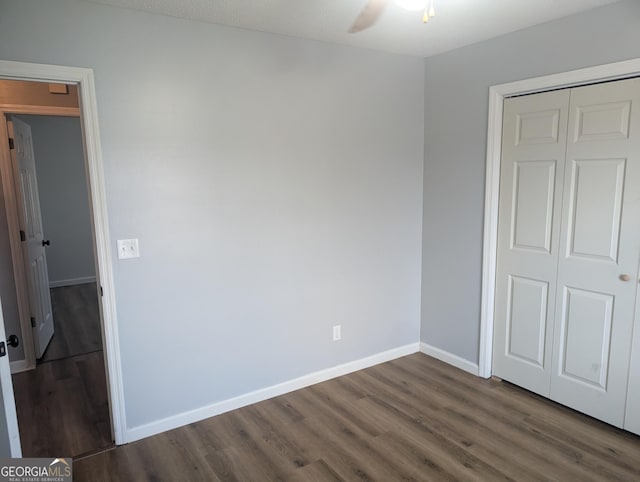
(414, 418)
(76, 322)
(62, 405)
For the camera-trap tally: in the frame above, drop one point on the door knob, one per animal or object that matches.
(13, 341)
(46, 243)
(625, 277)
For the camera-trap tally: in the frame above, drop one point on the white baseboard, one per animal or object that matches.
(72, 281)
(18, 366)
(450, 358)
(185, 418)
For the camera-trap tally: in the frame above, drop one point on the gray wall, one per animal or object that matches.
(64, 202)
(456, 110)
(275, 185)
(8, 286)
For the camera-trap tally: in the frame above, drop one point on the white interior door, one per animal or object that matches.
(599, 250)
(33, 243)
(9, 434)
(532, 167)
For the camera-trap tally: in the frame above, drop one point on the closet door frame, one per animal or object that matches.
(497, 94)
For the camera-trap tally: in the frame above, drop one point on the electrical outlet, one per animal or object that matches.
(337, 329)
(128, 248)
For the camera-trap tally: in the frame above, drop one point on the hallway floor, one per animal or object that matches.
(62, 405)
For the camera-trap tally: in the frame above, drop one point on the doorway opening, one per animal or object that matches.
(63, 295)
(81, 357)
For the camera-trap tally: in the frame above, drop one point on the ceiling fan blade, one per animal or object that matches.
(369, 15)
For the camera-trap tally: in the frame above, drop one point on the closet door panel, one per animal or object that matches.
(595, 195)
(599, 251)
(532, 168)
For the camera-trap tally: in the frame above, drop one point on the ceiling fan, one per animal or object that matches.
(374, 9)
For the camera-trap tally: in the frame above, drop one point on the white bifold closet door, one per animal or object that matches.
(532, 168)
(569, 245)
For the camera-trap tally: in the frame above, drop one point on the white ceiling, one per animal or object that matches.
(457, 23)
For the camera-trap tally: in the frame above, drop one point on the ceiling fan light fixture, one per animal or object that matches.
(375, 8)
(412, 5)
(428, 12)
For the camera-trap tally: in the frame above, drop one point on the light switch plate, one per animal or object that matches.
(128, 248)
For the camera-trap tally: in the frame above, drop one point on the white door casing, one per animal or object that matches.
(33, 247)
(9, 433)
(599, 250)
(89, 116)
(532, 167)
(497, 95)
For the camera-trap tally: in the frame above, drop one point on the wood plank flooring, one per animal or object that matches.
(76, 321)
(414, 418)
(62, 405)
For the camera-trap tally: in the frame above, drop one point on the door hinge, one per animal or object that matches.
(101, 292)
(33, 322)
(3, 349)
(12, 145)
(23, 236)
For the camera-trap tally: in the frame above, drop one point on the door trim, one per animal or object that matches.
(83, 77)
(497, 94)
